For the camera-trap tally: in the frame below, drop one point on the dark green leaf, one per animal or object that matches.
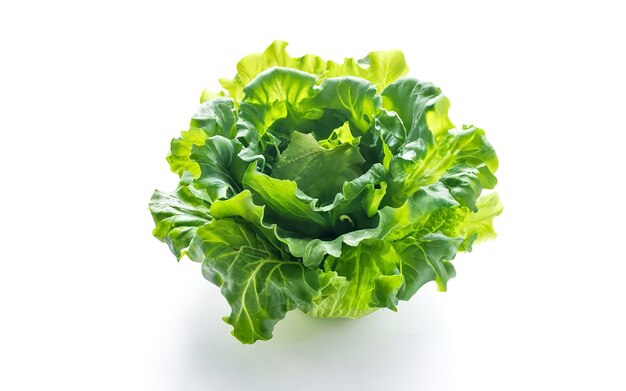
(259, 286)
(319, 172)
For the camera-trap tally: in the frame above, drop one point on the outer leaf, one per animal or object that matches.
(463, 181)
(385, 67)
(426, 259)
(479, 226)
(259, 286)
(208, 95)
(395, 223)
(180, 150)
(275, 55)
(467, 146)
(412, 100)
(177, 215)
(304, 160)
(364, 278)
(380, 68)
(214, 117)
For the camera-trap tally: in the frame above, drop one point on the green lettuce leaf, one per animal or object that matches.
(260, 286)
(478, 227)
(425, 259)
(279, 93)
(304, 160)
(413, 101)
(364, 278)
(392, 222)
(178, 215)
(380, 68)
(274, 56)
(214, 117)
(463, 182)
(221, 169)
(287, 204)
(351, 98)
(466, 147)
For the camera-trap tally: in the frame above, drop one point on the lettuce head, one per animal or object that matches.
(332, 188)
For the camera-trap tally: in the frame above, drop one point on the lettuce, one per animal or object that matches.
(332, 188)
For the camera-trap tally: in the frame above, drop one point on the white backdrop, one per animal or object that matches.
(92, 92)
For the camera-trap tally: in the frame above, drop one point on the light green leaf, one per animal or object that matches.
(364, 278)
(380, 68)
(385, 67)
(341, 135)
(478, 227)
(180, 150)
(274, 56)
(466, 145)
(208, 95)
(372, 200)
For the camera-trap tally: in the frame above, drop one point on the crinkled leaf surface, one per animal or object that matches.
(319, 172)
(259, 285)
(177, 215)
(380, 68)
(351, 98)
(279, 93)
